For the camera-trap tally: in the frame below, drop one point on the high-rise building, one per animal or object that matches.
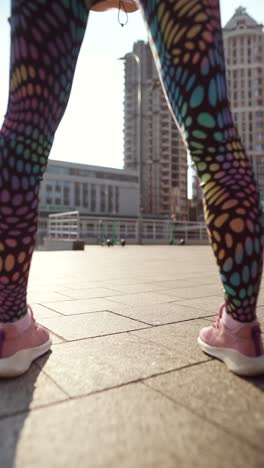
(244, 54)
(244, 51)
(163, 153)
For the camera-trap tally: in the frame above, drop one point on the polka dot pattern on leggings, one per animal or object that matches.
(45, 42)
(187, 41)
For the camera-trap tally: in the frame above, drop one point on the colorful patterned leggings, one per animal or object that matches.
(187, 45)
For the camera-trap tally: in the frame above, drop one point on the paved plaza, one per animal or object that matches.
(126, 385)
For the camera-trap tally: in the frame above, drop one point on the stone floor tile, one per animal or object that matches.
(208, 305)
(142, 298)
(89, 325)
(87, 293)
(80, 284)
(31, 390)
(180, 338)
(217, 395)
(210, 319)
(46, 296)
(82, 306)
(125, 281)
(194, 413)
(152, 286)
(41, 312)
(157, 314)
(85, 366)
(135, 288)
(52, 285)
(178, 283)
(193, 292)
(127, 427)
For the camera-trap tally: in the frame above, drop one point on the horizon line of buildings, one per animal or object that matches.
(105, 191)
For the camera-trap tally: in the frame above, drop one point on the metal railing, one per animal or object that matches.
(64, 225)
(73, 226)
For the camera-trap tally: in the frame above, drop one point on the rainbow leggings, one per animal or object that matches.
(186, 39)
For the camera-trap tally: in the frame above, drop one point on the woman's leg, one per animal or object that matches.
(45, 41)
(186, 40)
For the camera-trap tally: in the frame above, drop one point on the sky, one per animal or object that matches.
(91, 131)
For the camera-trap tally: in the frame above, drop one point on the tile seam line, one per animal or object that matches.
(81, 314)
(98, 336)
(46, 307)
(69, 298)
(94, 312)
(184, 298)
(151, 327)
(177, 301)
(72, 315)
(130, 318)
(96, 392)
(234, 434)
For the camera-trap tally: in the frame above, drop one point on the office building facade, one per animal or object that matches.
(91, 190)
(244, 53)
(164, 160)
(98, 192)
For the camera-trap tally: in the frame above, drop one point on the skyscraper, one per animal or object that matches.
(244, 54)
(244, 51)
(164, 155)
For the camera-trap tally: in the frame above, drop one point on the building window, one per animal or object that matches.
(117, 200)
(102, 198)
(260, 136)
(66, 193)
(93, 198)
(110, 199)
(85, 195)
(58, 170)
(77, 194)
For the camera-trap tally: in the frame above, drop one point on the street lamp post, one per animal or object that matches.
(139, 143)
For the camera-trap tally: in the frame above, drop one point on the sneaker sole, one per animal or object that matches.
(236, 362)
(21, 361)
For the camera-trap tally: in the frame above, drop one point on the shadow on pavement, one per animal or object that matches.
(16, 400)
(256, 381)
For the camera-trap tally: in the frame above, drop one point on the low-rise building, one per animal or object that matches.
(91, 190)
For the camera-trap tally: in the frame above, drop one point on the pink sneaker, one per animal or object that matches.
(20, 344)
(241, 349)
